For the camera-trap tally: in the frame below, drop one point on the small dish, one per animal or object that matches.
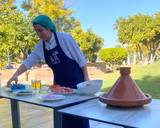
(23, 92)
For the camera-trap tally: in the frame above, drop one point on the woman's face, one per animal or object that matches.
(43, 33)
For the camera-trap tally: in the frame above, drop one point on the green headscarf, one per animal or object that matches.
(44, 21)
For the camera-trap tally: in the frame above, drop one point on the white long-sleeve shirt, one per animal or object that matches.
(68, 45)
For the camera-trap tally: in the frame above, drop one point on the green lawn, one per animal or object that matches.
(147, 78)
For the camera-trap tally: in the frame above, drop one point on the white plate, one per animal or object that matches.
(23, 92)
(50, 97)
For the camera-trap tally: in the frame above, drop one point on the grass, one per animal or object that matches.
(147, 78)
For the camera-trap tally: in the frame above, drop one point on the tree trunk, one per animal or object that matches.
(128, 60)
(146, 61)
(8, 59)
(134, 58)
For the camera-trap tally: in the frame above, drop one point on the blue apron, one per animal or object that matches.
(66, 73)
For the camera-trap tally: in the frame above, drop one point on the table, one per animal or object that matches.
(147, 116)
(32, 99)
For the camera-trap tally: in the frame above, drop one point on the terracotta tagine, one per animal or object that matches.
(125, 92)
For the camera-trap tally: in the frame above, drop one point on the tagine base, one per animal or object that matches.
(125, 103)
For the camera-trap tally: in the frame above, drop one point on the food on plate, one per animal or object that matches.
(60, 89)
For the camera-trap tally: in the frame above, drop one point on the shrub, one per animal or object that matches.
(113, 56)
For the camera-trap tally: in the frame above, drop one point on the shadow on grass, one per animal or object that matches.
(148, 84)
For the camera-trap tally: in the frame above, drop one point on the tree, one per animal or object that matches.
(56, 9)
(156, 46)
(89, 42)
(138, 33)
(10, 17)
(16, 32)
(26, 37)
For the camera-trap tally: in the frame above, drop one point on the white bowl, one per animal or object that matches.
(89, 87)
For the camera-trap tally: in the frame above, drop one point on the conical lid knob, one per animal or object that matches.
(125, 92)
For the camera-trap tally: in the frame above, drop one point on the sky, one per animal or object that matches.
(101, 15)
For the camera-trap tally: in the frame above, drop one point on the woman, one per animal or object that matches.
(62, 55)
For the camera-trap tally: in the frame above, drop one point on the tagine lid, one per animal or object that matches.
(125, 92)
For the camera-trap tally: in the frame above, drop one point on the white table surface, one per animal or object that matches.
(32, 99)
(147, 116)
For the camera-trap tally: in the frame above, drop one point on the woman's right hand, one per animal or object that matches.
(19, 71)
(13, 78)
